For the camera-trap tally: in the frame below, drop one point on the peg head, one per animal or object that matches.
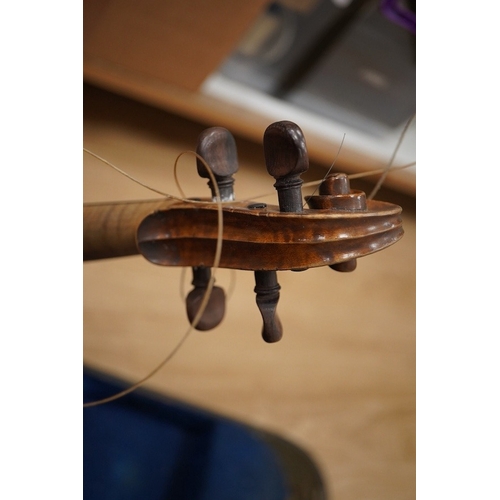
(285, 150)
(214, 312)
(286, 158)
(217, 147)
(216, 306)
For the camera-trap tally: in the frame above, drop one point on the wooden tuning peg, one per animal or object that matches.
(267, 296)
(217, 147)
(216, 306)
(286, 158)
(335, 194)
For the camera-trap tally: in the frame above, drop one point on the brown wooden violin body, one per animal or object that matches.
(338, 226)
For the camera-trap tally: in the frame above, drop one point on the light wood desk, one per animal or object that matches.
(341, 383)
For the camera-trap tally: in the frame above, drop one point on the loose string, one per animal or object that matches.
(389, 165)
(206, 295)
(133, 179)
(146, 186)
(328, 171)
(386, 170)
(358, 175)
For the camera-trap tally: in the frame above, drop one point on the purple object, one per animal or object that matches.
(398, 14)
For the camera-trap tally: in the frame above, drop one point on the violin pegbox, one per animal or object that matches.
(338, 226)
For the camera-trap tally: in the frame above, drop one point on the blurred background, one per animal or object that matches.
(338, 67)
(341, 382)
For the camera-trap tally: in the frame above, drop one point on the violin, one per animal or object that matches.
(332, 228)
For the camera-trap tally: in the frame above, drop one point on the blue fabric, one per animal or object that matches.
(146, 447)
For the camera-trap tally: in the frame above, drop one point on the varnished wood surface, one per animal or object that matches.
(110, 229)
(265, 239)
(341, 382)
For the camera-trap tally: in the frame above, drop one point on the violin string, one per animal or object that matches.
(380, 171)
(317, 182)
(203, 305)
(183, 274)
(328, 171)
(391, 161)
(386, 170)
(119, 170)
(146, 186)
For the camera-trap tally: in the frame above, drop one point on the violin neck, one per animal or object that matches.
(110, 229)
